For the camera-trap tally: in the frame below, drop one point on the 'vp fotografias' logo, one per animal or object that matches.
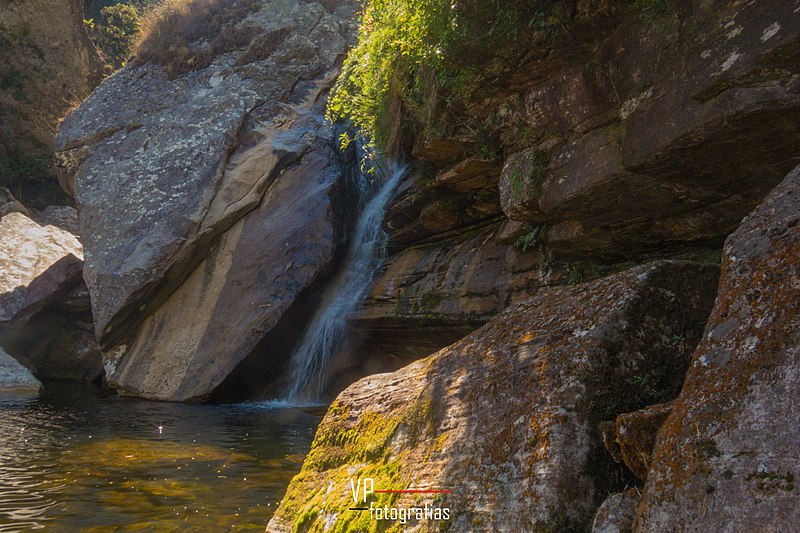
(364, 492)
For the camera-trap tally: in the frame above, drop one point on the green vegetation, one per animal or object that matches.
(379, 443)
(528, 240)
(115, 31)
(421, 64)
(25, 163)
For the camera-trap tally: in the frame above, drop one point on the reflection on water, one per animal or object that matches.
(70, 460)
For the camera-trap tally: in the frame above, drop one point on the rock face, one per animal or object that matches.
(728, 452)
(45, 314)
(240, 291)
(643, 133)
(47, 66)
(37, 265)
(59, 340)
(14, 377)
(635, 436)
(505, 417)
(617, 513)
(209, 194)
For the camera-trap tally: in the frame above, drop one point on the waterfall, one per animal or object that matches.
(326, 331)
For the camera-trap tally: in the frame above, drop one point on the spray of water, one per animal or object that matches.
(326, 331)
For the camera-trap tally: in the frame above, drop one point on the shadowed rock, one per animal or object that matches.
(617, 513)
(728, 452)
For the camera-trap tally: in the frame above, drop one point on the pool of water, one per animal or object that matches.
(73, 460)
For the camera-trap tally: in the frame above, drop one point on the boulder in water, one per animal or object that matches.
(207, 193)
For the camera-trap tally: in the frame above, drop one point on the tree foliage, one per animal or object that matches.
(418, 58)
(115, 31)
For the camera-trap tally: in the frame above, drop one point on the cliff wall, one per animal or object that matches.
(47, 67)
(624, 136)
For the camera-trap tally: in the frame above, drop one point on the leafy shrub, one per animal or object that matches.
(425, 58)
(185, 35)
(115, 32)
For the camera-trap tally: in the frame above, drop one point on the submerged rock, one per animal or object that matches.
(206, 195)
(14, 377)
(728, 453)
(506, 417)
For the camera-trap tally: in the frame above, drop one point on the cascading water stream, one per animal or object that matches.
(326, 331)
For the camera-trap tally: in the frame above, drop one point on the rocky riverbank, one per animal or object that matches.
(574, 328)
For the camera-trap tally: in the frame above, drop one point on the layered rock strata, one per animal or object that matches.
(630, 134)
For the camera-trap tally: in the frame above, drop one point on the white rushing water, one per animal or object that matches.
(326, 331)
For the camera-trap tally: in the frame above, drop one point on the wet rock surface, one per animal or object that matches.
(505, 417)
(728, 452)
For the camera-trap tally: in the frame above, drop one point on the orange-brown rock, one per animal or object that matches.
(650, 134)
(429, 296)
(469, 175)
(505, 418)
(636, 434)
(681, 121)
(728, 453)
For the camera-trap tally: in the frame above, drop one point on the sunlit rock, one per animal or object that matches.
(506, 417)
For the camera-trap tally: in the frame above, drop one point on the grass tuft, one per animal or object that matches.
(186, 35)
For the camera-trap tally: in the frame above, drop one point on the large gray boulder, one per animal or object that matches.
(727, 457)
(206, 197)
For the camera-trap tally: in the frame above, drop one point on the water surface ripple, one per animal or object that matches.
(72, 460)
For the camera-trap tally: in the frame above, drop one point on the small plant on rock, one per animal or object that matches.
(528, 240)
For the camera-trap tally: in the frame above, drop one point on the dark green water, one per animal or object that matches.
(73, 461)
